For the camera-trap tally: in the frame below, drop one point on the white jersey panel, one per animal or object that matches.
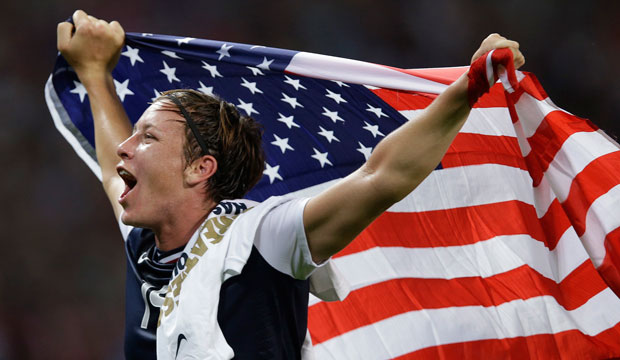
(281, 240)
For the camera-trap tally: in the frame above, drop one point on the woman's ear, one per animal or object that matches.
(200, 170)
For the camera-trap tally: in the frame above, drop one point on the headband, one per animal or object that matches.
(190, 122)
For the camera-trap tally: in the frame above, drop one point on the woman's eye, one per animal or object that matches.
(148, 136)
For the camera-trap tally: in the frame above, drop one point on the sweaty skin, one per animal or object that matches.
(172, 204)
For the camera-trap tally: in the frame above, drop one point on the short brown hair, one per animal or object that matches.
(233, 140)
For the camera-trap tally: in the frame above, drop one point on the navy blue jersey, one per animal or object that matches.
(145, 288)
(262, 312)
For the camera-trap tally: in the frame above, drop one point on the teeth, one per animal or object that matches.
(125, 174)
(127, 177)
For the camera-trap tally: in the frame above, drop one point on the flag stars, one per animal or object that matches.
(223, 51)
(294, 83)
(288, 120)
(251, 86)
(184, 40)
(321, 157)
(171, 54)
(272, 172)
(374, 129)
(327, 134)
(265, 64)
(291, 101)
(336, 97)
(365, 150)
(255, 71)
(133, 55)
(122, 89)
(281, 143)
(211, 69)
(247, 107)
(376, 110)
(169, 72)
(157, 94)
(205, 89)
(79, 89)
(332, 115)
(340, 83)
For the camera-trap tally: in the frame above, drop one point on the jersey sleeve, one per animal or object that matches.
(281, 240)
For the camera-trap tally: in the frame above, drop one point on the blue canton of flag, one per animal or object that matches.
(327, 127)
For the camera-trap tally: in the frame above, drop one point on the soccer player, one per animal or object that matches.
(210, 274)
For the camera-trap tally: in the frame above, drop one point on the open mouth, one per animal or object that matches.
(129, 179)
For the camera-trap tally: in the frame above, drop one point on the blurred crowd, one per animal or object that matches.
(62, 275)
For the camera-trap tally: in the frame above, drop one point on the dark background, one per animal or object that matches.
(62, 260)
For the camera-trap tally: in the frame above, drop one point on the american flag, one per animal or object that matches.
(509, 249)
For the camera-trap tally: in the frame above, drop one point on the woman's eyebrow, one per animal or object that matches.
(148, 126)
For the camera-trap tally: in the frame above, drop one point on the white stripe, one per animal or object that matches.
(359, 72)
(602, 218)
(482, 259)
(457, 187)
(532, 111)
(411, 114)
(543, 197)
(567, 256)
(170, 258)
(503, 77)
(468, 186)
(576, 153)
(524, 145)
(489, 68)
(484, 121)
(608, 138)
(489, 121)
(50, 93)
(415, 330)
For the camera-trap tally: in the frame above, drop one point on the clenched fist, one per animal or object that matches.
(496, 41)
(91, 46)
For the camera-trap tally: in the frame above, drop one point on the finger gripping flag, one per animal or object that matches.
(487, 69)
(508, 249)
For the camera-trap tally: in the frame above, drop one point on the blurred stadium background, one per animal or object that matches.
(62, 272)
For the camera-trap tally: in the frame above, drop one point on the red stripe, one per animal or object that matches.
(610, 268)
(452, 227)
(441, 75)
(571, 344)
(408, 100)
(494, 98)
(596, 179)
(555, 222)
(548, 139)
(475, 149)
(531, 85)
(405, 100)
(330, 319)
